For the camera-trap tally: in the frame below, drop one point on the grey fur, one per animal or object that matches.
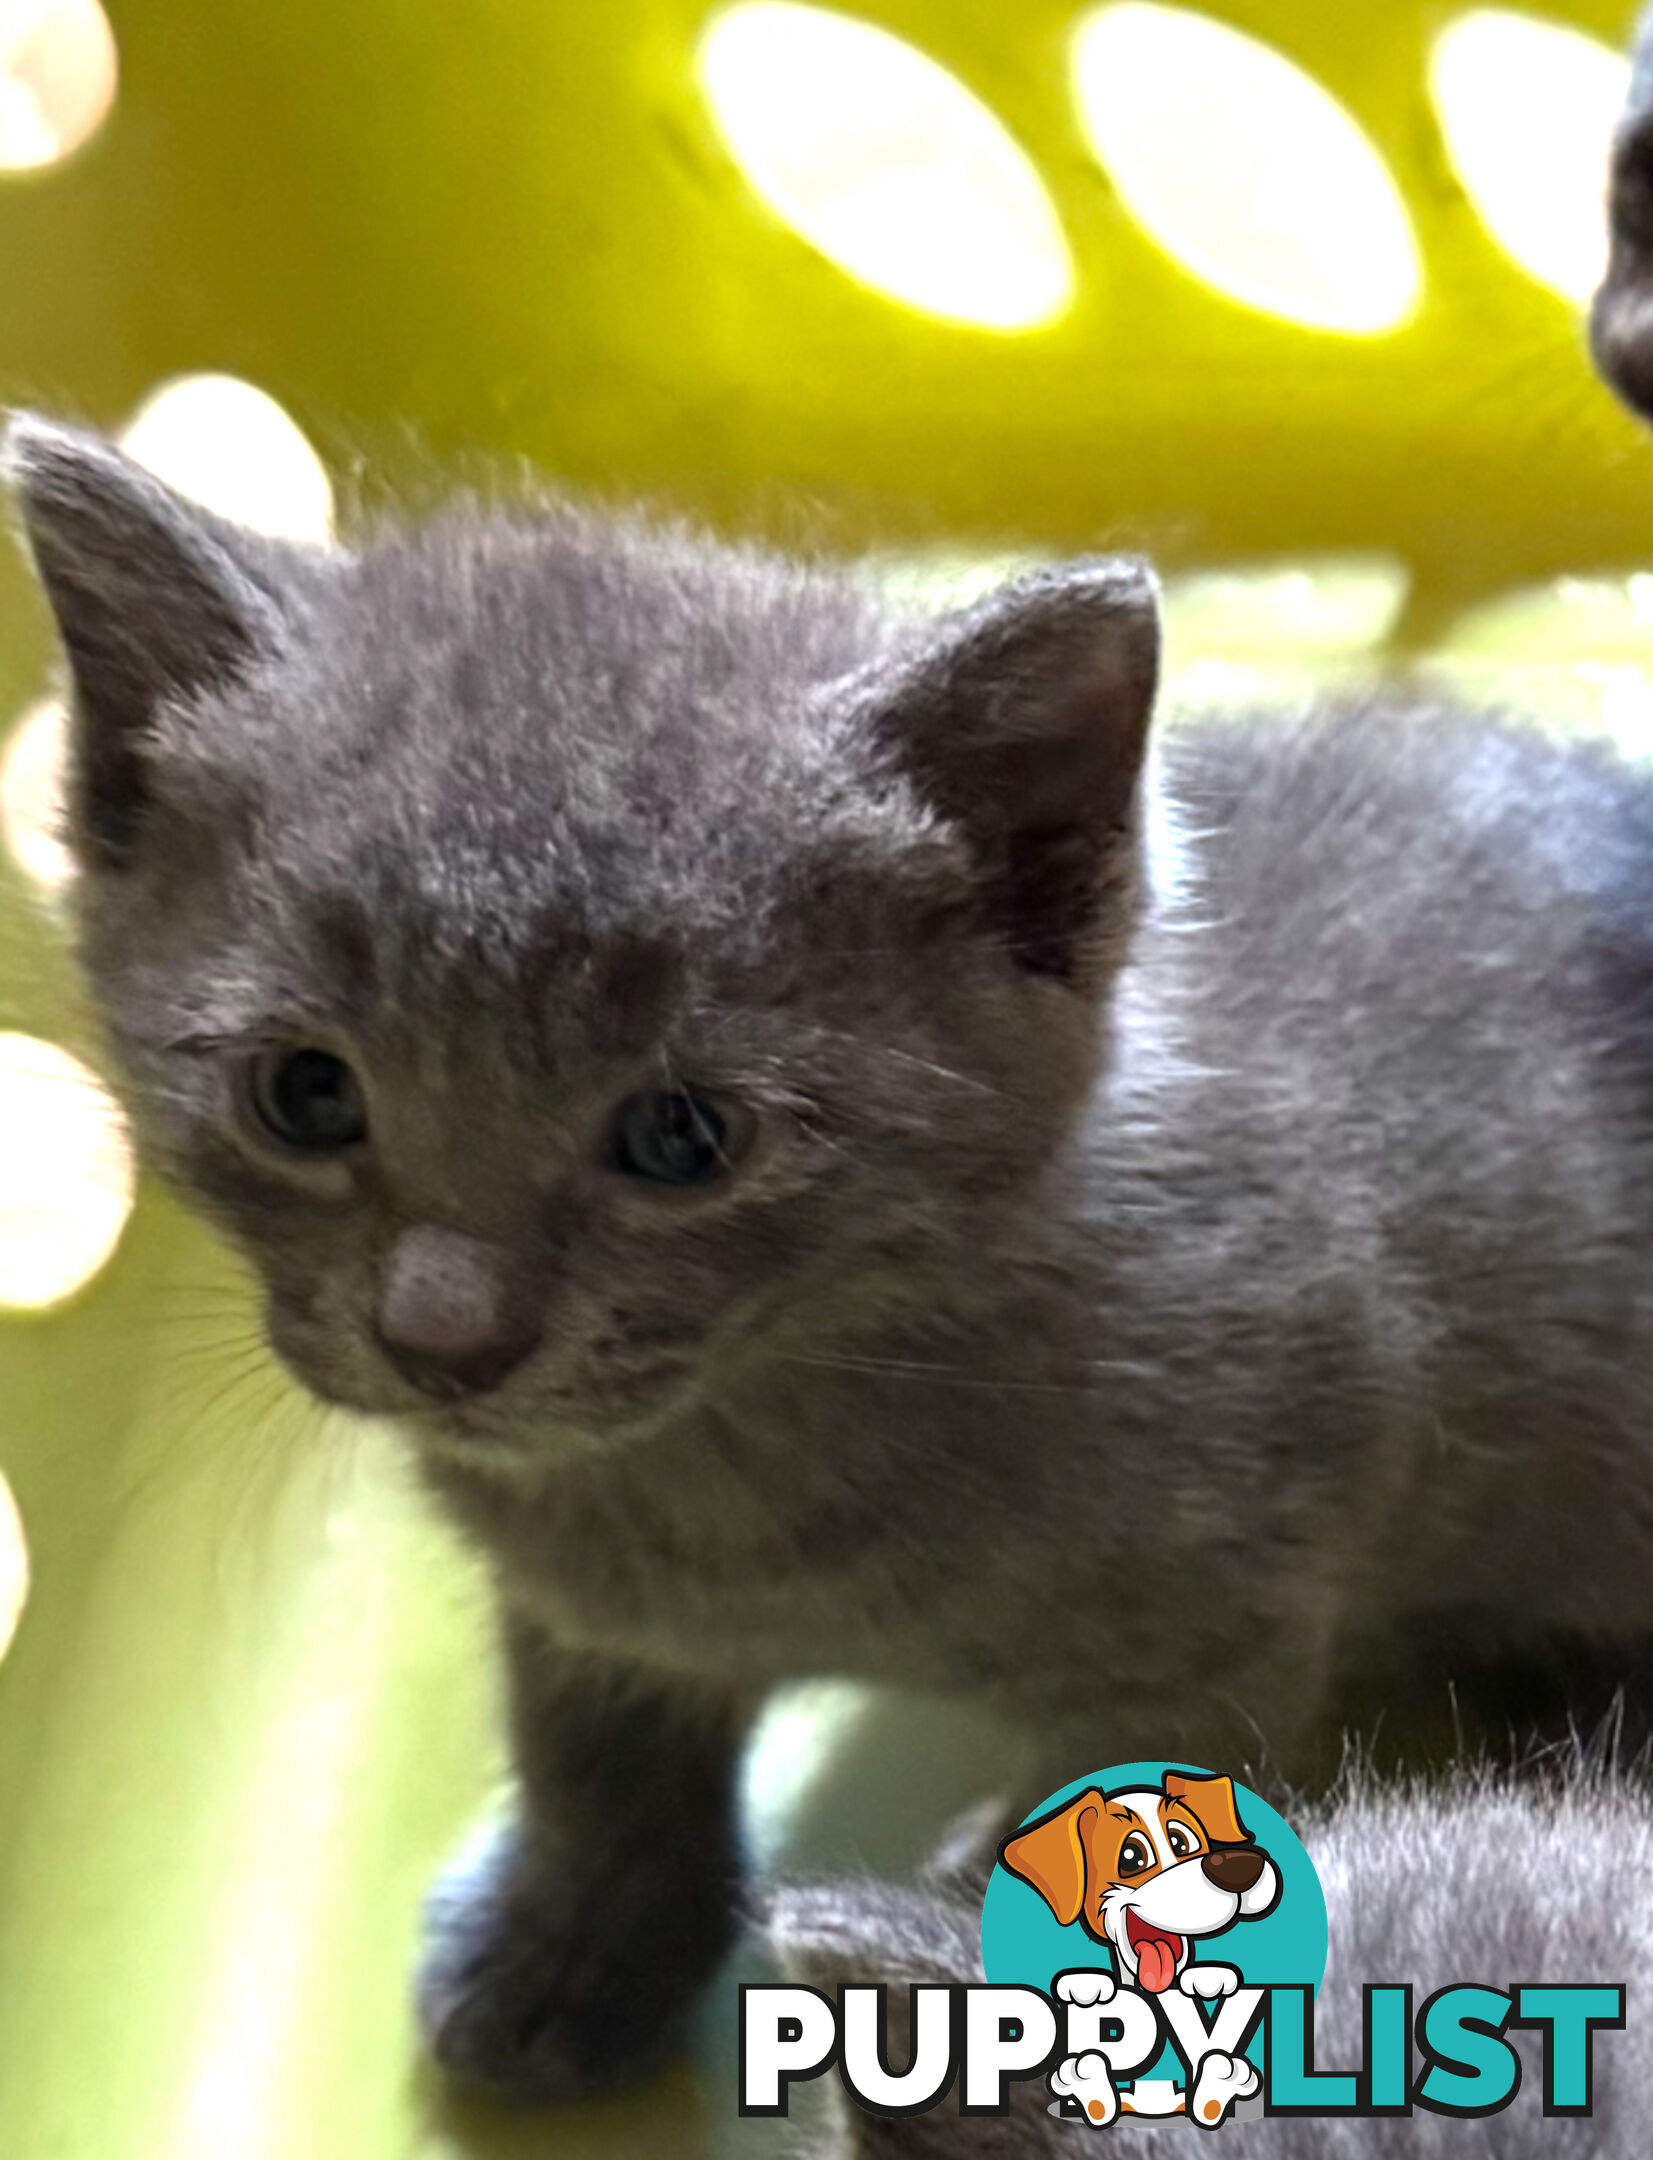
(1621, 317)
(1482, 1878)
(1192, 1260)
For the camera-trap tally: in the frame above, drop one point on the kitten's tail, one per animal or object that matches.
(1486, 1878)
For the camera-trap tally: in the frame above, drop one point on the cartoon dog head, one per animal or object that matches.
(1147, 1871)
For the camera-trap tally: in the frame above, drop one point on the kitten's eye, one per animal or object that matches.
(308, 1099)
(672, 1138)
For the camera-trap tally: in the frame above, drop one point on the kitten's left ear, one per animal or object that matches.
(155, 598)
(1024, 722)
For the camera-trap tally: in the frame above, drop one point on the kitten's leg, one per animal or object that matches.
(561, 1953)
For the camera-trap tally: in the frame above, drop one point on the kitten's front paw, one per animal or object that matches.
(538, 1986)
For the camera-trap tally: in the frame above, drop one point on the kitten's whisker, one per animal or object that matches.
(249, 1375)
(908, 1057)
(936, 1375)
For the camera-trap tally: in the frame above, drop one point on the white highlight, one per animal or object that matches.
(66, 1175)
(58, 71)
(796, 1738)
(14, 1567)
(1528, 109)
(325, 1661)
(31, 795)
(885, 163)
(1244, 169)
(1329, 607)
(231, 448)
(1577, 651)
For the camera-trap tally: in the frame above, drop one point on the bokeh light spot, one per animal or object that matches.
(792, 1744)
(1244, 169)
(14, 1567)
(57, 79)
(1316, 607)
(1528, 109)
(886, 163)
(31, 795)
(1272, 633)
(1577, 652)
(232, 448)
(66, 1175)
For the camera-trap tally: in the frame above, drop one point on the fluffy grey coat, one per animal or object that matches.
(836, 1170)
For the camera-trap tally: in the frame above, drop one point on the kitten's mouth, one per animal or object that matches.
(542, 1427)
(525, 1420)
(466, 1439)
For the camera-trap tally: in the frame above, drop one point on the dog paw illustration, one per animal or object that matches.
(1088, 1990)
(1209, 1981)
(1223, 2079)
(1085, 2078)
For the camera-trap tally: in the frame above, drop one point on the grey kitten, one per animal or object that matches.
(835, 1172)
(1481, 1876)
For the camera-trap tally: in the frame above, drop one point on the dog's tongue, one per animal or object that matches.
(1156, 1964)
(1156, 1955)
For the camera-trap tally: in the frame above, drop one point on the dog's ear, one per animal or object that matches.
(1050, 1855)
(1211, 1801)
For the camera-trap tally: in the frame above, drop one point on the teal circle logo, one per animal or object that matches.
(1145, 1883)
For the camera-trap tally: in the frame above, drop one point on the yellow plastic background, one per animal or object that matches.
(248, 1706)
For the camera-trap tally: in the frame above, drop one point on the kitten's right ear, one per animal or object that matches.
(1024, 721)
(155, 599)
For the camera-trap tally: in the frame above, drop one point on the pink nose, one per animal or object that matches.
(448, 1319)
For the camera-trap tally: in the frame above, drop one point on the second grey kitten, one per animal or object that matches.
(836, 1172)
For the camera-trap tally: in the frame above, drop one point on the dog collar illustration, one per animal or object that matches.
(1148, 1872)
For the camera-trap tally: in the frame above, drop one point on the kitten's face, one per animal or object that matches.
(573, 963)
